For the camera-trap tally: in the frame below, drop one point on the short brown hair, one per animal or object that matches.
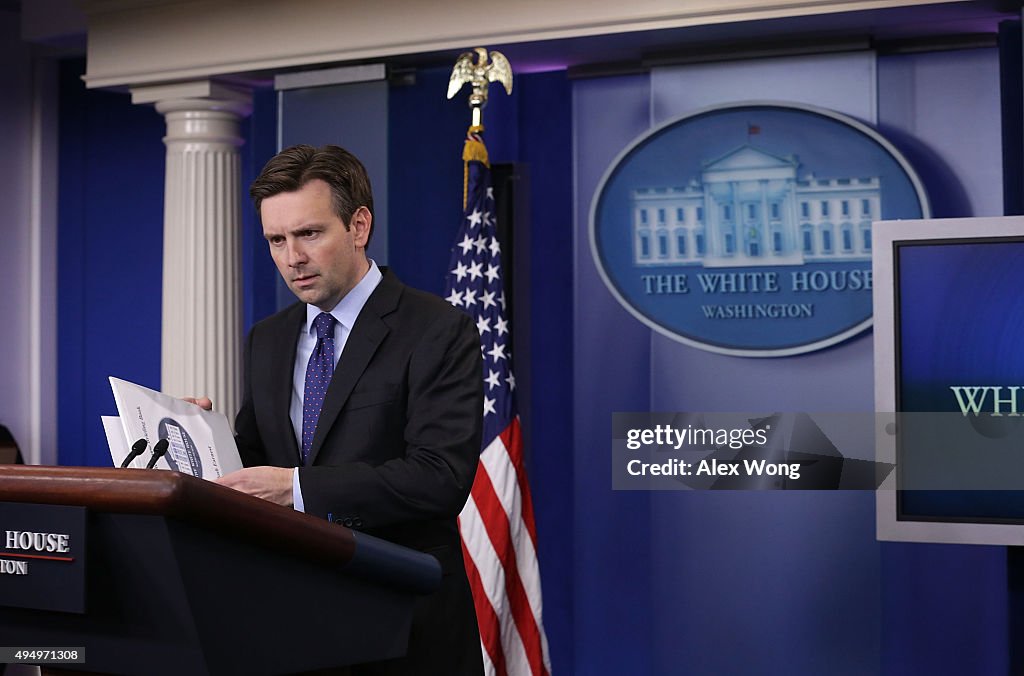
(294, 167)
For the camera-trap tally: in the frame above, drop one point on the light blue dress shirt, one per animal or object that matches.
(346, 312)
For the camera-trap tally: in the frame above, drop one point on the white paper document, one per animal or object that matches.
(119, 449)
(200, 442)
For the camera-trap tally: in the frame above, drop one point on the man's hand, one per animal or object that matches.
(270, 483)
(202, 402)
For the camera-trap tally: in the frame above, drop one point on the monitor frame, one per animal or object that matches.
(886, 237)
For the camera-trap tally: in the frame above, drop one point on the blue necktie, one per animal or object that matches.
(318, 377)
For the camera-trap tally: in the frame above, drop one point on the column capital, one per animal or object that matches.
(203, 112)
(196, 95)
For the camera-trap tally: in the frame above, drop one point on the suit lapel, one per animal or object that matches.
(281, 371)
(369, 332)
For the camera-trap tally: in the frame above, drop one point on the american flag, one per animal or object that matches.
(499, 540)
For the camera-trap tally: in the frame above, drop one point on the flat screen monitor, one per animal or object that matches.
(949, 367)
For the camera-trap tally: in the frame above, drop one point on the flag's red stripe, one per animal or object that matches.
(511, 437)
(496, 523)
(486, 618)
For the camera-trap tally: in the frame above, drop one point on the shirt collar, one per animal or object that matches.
(349, 307)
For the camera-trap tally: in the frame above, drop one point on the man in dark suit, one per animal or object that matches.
(386, 439)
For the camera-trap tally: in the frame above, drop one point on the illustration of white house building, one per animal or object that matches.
(749, 208)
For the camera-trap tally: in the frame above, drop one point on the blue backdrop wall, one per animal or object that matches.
(759, 582)
(110, 252)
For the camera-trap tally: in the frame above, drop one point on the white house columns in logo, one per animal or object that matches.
(750, 207)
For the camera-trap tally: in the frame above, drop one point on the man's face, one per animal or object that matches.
(317, 256)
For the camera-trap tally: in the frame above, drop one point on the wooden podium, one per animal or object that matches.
(183, 576)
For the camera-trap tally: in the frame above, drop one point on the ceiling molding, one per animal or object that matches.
(133, 42)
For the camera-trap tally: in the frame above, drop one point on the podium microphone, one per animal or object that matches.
(137, 448)
(158, 452)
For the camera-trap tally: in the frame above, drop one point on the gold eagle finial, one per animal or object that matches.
(487, 68)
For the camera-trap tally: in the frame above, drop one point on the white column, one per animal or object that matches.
(202, 318)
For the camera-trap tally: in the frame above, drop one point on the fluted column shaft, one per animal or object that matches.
(202, 318)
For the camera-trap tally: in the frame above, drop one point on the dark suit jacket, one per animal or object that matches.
(396, 446)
